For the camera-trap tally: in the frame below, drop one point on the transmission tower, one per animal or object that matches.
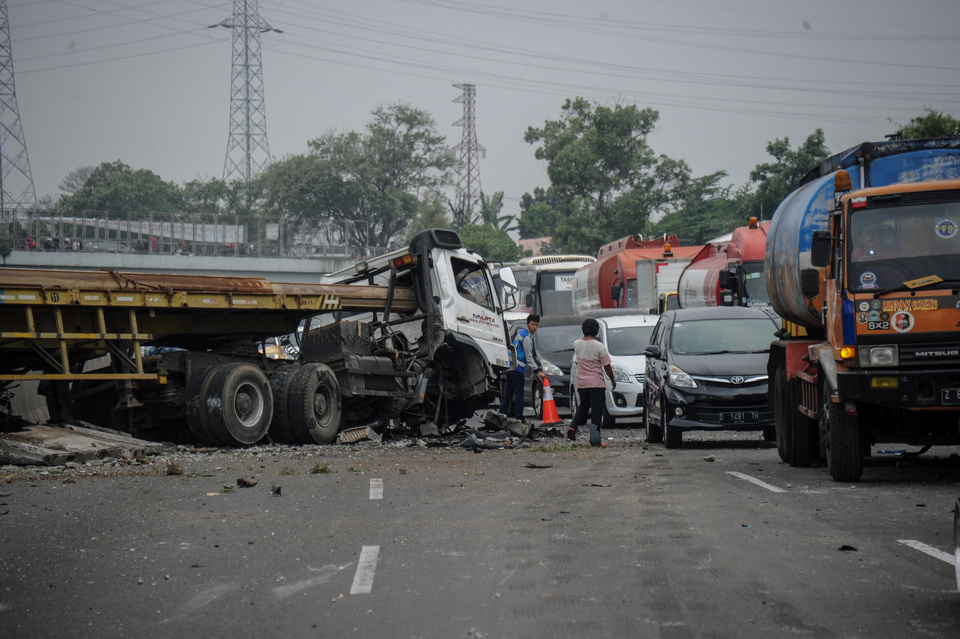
(16, 180)
(468, 179)
(247, 149)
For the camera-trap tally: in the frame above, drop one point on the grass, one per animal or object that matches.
(321, 469)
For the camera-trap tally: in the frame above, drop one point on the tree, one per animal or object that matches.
(114, 186)
(931, 125)
(490, 208)
(605, 177)
(398, 157)
(706, 212)
(431, 214)
(75, 179)
(493, 244)
(776, 180)
(539, 215)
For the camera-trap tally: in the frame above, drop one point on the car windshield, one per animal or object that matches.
(557, 339)
(740, 335)
(628, 340)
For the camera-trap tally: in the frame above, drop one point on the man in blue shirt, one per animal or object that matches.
(525, 358)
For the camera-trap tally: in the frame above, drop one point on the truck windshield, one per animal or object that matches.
(556, 292)
(754, 285)
(890, 245)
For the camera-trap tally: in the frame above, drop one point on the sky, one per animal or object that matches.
(147, 82)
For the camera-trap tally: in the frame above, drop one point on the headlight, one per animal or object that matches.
(879, 355)
(550, 369)
(679, 379)
(620, 375)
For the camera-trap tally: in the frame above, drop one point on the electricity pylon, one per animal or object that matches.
(247, 149)
(468, 177)
(16, 180)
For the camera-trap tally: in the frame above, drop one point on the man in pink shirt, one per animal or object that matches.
(593, 361)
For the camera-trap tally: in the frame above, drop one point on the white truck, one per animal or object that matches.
(412, 338)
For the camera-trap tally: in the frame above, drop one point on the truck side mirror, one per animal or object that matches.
(820, 249)
(724, 278)
(615, 292)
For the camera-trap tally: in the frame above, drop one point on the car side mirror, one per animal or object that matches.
(652, 351)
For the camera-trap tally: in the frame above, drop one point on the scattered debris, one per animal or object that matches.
(246, 483)
(538, 466)
(275, 491)
(45, 445)
(174, 468)
(845, 547)
(709, 458)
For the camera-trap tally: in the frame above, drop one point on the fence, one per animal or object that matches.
(181, 234)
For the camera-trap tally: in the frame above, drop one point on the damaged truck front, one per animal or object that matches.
(411, 339)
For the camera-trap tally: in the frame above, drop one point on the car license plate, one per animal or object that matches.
(950, 396)
(742, 417)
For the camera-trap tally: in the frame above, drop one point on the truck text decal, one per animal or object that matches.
(928, 304)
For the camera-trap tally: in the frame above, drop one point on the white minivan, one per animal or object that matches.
(625, 336)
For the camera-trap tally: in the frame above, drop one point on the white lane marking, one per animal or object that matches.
(366, 566)
(930, 550)
(754, 480)
(376, 489)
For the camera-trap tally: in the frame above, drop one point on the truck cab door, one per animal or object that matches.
(471, 306)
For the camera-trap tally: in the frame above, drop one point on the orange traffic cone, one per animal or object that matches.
(550, 415)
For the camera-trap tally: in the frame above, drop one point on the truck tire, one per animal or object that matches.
(802, 431)
(239, 404)
(314, 404)
(843, 440)
(672, 437)
(280, 427)
(780, 407)
(195, 407)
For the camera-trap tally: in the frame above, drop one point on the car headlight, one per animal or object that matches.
(550, 369)
(677, 378)
(879, 355)
(620, 375)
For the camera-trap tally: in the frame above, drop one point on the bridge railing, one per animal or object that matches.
(182, 234)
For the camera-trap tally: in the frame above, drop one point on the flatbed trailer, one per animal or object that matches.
(82, 335)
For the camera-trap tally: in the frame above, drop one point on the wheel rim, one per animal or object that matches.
(249, 404)
(319, 404)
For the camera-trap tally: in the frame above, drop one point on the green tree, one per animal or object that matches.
(114, 186)
(493, 244)
(490, 209)
(398, 157)
(706, 212)
(776, 180)
(539, 214)
(431, 213)
(205, 197)
(932, 124)
(606, 178)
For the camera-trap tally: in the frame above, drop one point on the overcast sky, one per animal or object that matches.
(148, 83)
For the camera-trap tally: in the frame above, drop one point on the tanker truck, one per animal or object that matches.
(611, 281)
(728, 273)
(411, 339)
(862, 262)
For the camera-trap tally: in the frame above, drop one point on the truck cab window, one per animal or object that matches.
(472, 283)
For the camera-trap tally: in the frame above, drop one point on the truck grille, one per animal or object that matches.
(926, 354)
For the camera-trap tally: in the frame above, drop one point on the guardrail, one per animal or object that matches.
(183, 234)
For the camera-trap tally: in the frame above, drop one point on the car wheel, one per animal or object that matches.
(654, 434)
(536, 392)
(672, 437)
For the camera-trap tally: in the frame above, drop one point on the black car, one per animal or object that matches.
(707, 370)
(554, 340)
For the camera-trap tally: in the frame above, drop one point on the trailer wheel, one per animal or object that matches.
(672, 437)
(195, 406)
(239, 404)
(280, 427)
(780, 408)
(843, 440)
(314, 404)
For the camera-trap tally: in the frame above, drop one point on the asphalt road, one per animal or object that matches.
(717, 539)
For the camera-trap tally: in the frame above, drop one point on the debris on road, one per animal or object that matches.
(45, 445)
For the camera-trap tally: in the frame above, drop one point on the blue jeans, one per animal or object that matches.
(513, 392)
